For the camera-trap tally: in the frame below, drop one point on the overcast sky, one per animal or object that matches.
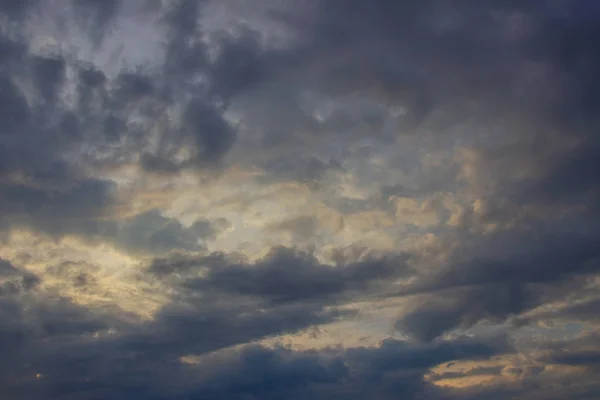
(299, 199)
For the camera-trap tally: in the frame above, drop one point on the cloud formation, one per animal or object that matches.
(281, 200)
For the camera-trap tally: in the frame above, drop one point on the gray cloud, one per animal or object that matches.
(501, 275)
(38, 135)
(82, 366)
(584, 358)
(357, 372)
(14, 280)
(285, 275)
(522, 74)
(151, 232)
(71, 209)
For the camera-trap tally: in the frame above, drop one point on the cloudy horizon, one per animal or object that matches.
(326, 199)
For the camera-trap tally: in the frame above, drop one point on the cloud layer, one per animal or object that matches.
(278, 200)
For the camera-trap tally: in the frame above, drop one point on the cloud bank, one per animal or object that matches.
(278, 200)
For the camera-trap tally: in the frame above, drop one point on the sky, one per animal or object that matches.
(292, 199)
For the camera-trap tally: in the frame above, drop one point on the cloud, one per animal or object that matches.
(42, 171)
(352, 374)
(150, 232)
(14, 280)
(517, 274)
(197, 180)
(585, 358)
(72, 209)
(81, 366)
(284, 275)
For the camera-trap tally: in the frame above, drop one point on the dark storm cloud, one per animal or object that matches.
(466, 50)
(82, 366)
(72, 349)
(203, 119)
(519, 67)
(91, 77)
(25, 125)
(271, 373)
(463, 308)
(535, 262)
(240, 66)
(391, 370)
(30, 322)
(30, 316)
(590, 358)
(237, 302)
(570, 179)
(534, 255)
(76, 357)
(199, 327)
(77, 350)
(404, 49)
(34, 136)
(285, 275)
(502, 275)
(39, 135)
(522, 68)
(48, 76)
(213, 135)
